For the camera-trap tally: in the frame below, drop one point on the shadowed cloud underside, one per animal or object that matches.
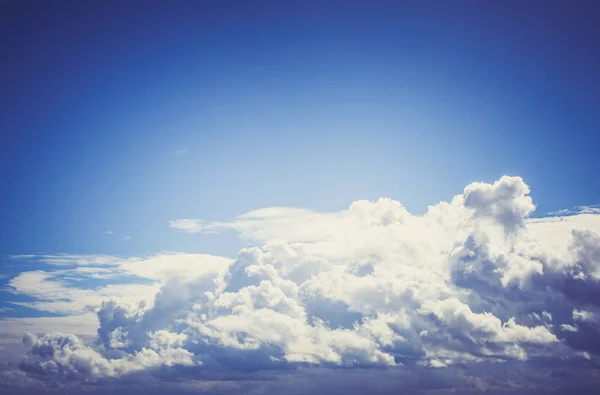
(471, 282)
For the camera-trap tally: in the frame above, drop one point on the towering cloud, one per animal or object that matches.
(472, 281)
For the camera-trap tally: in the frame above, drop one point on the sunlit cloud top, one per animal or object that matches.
(314, 197)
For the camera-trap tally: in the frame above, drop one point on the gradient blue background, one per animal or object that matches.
(311, 104)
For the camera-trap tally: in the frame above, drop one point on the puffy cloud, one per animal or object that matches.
(64, 355)
(506, 201)
(471, 281)
(568, 328)
(586, 316)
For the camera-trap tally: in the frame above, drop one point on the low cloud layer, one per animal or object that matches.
(473, 282)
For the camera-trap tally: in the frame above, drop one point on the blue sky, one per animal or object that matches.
(287, 105)
(117, 118)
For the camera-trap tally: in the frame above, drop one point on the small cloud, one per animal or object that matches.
(71, 259)
(187, 225)
(585, 355)
(179, 152)
(111, 233)
(592, 209)
(568, 328)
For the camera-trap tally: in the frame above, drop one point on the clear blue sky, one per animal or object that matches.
(123, 117)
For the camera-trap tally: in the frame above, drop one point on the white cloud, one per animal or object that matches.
(568, 328)
(71, 259)
(64, 355)
(586, 316)
(594, 209)
(472, 280)
(84, 325)
(53, 294)
(111, 233)
(187, 225)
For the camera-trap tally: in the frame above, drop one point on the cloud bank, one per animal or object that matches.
(472, 282)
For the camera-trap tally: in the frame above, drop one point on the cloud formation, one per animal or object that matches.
(472, 281)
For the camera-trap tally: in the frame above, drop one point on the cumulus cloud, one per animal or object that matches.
(472, 281)
(64, 355)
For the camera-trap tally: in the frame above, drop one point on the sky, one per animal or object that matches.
(292, 197)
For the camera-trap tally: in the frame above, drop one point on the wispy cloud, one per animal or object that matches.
(187, 225)
(71, 259)
(111, 233)
(179, 152)
(592, 209)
